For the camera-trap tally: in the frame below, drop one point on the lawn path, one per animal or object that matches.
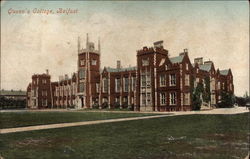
(61, 125)
(163, 114)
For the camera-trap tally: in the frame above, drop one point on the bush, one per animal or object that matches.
(117, 105)
(227, 100)
(131, 107)
(95, 106)
(196, 96)
(105, 105)
(124, 105)
(8, 103)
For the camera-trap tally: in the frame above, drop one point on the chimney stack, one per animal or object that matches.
(118, 66)
(199, 60)
(158, 44)
(47, 71)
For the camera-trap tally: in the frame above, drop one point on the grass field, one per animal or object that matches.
(175, 137)
(18, 119)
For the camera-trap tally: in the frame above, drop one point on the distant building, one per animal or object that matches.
(157, 83)
(13, 94)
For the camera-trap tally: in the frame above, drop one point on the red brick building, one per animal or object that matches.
(39, 91)
(158, 82)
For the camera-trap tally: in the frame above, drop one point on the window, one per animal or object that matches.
(166, 67)
(186, 80)
(125, 84)
(104, 100)
(117, 99)
(212, 84)
(145, 62)
(196, 82)
(197, 70)
(148, 98)
(97, 87)
(143, 80)
(125, 99)
(44, 102)
(163, 98)
(82, 73)
(172, 80)
(162, 80)
(44, 93)
(219, 85)
(81, 87)
(223, 86)
(117, 84)
(187, 99)
(133, 85)
(173, 98)
(105, 85)
(44, 81)
(82, 62)
(143, 99)
(93, 62)
(186, 66)
(148, 79)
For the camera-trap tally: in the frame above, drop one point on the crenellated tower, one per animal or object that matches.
(88, 78)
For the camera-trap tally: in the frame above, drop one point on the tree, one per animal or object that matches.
(196, 96)
(207, 94)
(227, 100)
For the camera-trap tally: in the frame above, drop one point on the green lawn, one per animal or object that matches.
(18, 119)
(174, 137)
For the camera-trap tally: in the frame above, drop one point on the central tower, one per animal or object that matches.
(88, 70)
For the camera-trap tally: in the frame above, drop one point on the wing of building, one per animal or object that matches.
(157, 83)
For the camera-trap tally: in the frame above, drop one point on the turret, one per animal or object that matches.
(79, 44)
(99, 45)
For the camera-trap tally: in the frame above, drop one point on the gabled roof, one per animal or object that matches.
(206, 67)
(177, 59)
(224, 72)
(12, 93)
(109, 69)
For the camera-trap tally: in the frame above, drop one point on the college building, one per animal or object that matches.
(157, 83)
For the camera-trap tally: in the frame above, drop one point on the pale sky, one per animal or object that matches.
(32, 43)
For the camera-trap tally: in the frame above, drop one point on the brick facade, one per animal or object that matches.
(158, 82)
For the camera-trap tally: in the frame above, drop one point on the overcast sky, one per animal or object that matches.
(32, 43)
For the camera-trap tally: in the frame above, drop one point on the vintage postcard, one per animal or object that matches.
(124, 80)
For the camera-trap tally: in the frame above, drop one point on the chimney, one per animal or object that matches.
(208, 62)
(47, 71)
(158, 44)
(185, 52)
(199, 60)
(118, 66)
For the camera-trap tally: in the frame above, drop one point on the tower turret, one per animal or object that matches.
(79, 44)
(87, 40)
(99, 45)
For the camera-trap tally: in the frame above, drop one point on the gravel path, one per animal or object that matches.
(229, 111)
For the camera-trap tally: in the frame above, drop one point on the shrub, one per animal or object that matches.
(105, 105)
(227, 100)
